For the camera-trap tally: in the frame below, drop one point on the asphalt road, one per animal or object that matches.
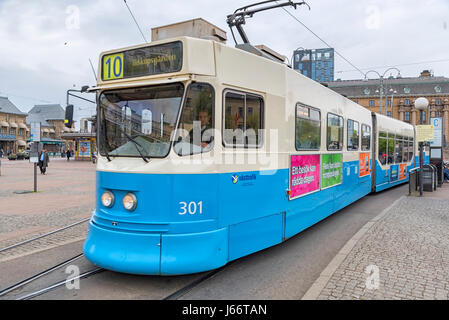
(285, 271)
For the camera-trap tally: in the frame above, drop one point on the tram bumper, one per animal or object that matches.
(156, 253)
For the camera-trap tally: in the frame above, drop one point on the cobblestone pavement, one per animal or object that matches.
(402, 256)
(65, 196)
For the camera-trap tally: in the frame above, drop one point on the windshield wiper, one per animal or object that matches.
(136, 144)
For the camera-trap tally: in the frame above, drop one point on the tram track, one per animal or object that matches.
(175, 295)
(43, 235)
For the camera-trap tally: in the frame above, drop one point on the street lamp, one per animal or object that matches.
(293, 56)
(421, 104)
(393, 92)
(381, 90)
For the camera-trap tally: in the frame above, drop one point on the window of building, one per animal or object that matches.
(407, 102)
(308, 128)
(12, 131)
(335, 127)
(438, 114)
(366, 137)
(371, 103)
(382, 148)
(243, 128)
(353, 135)
(407, 116)
(438, 101)
(389, 103)
(389, 114)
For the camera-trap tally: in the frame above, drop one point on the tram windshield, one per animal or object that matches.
(138, 122)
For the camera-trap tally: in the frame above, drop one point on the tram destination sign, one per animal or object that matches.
(144, 61)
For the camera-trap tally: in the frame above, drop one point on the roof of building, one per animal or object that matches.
(403, 86)
(7, 106)
(45, 112)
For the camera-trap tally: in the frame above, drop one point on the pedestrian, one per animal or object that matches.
(43, 161)
(69, 153)
(446, 172)
(1, 153)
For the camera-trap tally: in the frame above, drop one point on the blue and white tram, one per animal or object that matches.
(209, 153)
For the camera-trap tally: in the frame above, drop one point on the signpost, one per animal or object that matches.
(36, 147)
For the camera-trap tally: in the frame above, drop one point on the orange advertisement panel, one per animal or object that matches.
(364, 164)
(402, 171)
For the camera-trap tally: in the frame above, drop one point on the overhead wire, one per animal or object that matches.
(137, 24)
(322, 40)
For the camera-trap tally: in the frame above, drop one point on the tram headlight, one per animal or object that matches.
(129, 202)
(107, 199)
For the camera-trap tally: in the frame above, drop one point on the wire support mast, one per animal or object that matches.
(238, 18)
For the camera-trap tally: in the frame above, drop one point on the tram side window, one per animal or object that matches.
(366, 137)
(243, 120)
(398, 143)
(353, 135)
(308, 128)
(405, 150)
(382, 150)
(390, 148)
(196, 126)
(411, 149)
(335, 127)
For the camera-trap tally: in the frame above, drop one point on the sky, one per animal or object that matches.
(46, 45)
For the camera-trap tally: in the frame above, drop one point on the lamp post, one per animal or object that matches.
(381, 89)
(393, 92)
(421, 104)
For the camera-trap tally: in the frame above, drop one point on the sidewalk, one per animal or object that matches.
(402, 254)
(66, 194)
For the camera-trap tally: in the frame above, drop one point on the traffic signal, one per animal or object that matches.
(68, 120)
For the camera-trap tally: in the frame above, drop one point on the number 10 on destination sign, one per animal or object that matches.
(113, 66)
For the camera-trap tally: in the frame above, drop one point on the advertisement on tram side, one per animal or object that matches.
(304, 175)
(403, 171)
(332, 170)
(364, 165)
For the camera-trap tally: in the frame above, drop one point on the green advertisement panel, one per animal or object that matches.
(332, 169)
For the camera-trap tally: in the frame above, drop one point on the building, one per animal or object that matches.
(14, 131)
(399, 97)
(51, 118)
(317, 64)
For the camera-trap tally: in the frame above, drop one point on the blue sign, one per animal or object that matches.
(394, 172)
(9, 137)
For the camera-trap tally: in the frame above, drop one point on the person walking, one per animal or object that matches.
(43, 161)
(68, 153)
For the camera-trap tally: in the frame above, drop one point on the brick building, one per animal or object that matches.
(399, 97)
(51, 117)
(14, 131)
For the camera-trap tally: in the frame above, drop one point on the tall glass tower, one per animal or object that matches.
(317, 64)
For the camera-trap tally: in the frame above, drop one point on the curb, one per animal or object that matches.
(320, 283)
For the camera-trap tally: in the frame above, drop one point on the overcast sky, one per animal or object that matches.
(45, 45)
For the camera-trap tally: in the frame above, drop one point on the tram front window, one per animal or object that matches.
(138, 122)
